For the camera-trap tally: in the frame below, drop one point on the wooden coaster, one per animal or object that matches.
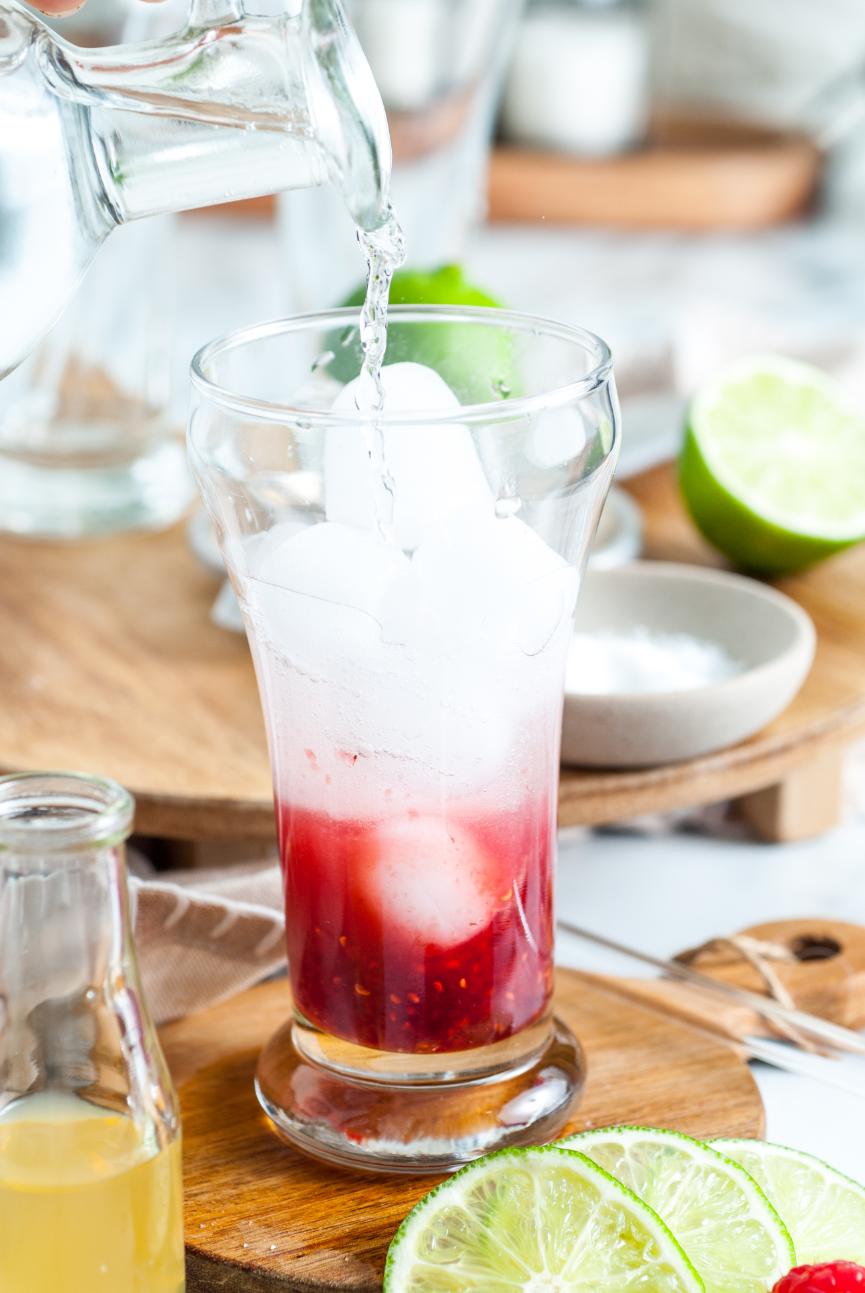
(260, 1218)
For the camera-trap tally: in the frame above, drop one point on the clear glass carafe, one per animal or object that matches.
(234, 105)
(90, 1181)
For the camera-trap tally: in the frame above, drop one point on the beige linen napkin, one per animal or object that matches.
(203, 936)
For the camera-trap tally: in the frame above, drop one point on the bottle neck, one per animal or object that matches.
(71, 1013)
(66, 960)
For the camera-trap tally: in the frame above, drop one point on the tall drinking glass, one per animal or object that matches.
(408, 583)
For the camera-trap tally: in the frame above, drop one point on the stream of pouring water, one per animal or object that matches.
(384, 249)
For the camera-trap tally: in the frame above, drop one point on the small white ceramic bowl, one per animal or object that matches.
(767, 634)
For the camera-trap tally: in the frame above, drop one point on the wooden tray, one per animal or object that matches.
(110, 664)
(692, 175)
(261, 1218)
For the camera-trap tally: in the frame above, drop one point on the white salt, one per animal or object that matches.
(643, 660)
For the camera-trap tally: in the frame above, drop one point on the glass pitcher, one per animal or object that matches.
(234, 105)
(90, 1180)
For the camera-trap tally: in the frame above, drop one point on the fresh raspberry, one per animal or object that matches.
(831, 1277)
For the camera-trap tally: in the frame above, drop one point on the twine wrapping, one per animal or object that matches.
(760, 955)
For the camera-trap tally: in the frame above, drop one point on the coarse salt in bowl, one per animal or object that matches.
(669, 662)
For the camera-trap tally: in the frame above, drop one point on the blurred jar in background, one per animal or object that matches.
(88, 444)
(88, 441)
(579, 77)
(439, 66)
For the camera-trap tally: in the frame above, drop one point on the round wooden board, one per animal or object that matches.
(109, 663)
(260, 1218)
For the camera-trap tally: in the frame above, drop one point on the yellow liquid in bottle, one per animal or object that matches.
(85, 1205)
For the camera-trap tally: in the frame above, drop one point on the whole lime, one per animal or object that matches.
(475, 360)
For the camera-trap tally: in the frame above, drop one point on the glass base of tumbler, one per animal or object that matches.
(46, 499)
(417, 1114)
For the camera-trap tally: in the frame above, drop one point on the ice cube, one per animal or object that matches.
(314, 603)
(492, 580)
(558, 437)
(482, 616)
(435, 470)
(330, 562)
(429, 879)
(316, 595)
(541, 587)
(353, 713)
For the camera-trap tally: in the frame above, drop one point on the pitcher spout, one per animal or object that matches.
(236, 104)
(351, 118)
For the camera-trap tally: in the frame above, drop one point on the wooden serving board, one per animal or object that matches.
(110, 664)
(261, 1218)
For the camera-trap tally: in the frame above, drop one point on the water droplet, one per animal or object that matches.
(508, 506)
(501, 388)
(321, 361)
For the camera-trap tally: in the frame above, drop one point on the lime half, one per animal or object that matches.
(721, 1217)
(773, 465)
(543, 1220)
(824, 1210)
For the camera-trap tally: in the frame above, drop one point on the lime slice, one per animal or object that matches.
(721, 1217)
(824, 1210)
(544, 1220)
(773, 465)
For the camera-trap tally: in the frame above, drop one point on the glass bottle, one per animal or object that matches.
(90, 1179)
(234, 105)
